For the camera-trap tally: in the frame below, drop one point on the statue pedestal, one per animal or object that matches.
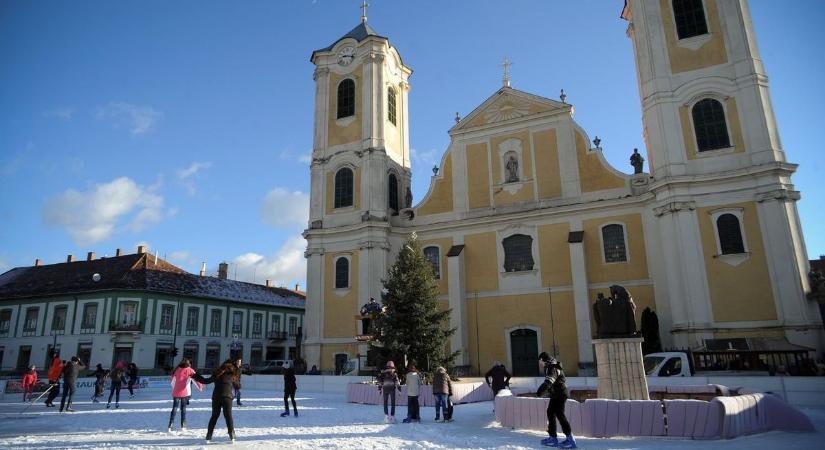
(621, 369)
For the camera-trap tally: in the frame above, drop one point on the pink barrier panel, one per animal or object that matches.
(471, 393)
(782, 416)
(756, 413)
(692, 418)
(702, 389)
(462, 393)
(531, 413)
(607, 418)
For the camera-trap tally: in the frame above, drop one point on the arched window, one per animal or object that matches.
(392, 192)
(391, 105)
(710, 126)
(432, 255)
(346, 98)
(341, 273)
(690, 18)
(518, 253)
(613, 242)
(730, 234)
(343, 188)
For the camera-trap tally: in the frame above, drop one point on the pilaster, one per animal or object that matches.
(458, 304)
(581, 298)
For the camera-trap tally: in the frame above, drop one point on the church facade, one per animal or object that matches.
(525, 222)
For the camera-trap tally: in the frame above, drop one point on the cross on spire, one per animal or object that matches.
(506, 65)
(364, 6)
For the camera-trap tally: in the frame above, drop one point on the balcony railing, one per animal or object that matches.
(214, 333)
(191, 332)
(87, 328)
(277, 335)
(125, 326)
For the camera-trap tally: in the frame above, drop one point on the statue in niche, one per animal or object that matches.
(637, 161)
(408, 198)
(512, 169)
(615, 315)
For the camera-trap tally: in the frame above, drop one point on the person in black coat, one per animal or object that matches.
(70, 372)
(290, 386)
(118, 375)
(497, 378)
(225, 378)
(100, 381)
(132, 372)
(555, 387)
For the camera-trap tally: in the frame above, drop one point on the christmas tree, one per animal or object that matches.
(412, 323)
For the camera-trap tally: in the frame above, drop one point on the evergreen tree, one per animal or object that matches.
(412, 322)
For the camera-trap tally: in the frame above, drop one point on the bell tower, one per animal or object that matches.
(360, 173)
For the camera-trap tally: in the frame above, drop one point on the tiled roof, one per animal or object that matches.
(137, 272)
(359, 33)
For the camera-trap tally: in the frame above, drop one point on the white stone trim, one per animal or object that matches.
(521, 279)
(508, 343)
(722, 101)
(208, 331)
(626, 245)
(693, 42)
(733, 259)
(344, 121)
(506, 148)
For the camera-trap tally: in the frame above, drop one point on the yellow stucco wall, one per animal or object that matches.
(765, 332)
(731, 116)
(498, 314)
(441, 199)
(600, 272)
(593, 174)
(336, 134)
(554, 254)
(744, 292)
(478, 183)
(444, 245)
(500, 196)
(328, 352)
(710, 54)
(481, 261)
(548, 175)
(356, 189)
(340, 310)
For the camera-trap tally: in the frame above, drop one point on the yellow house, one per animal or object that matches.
(525, 222)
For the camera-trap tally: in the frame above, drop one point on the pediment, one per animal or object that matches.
(508, 104)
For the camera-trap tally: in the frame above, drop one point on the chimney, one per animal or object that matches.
(297, 286)
(90, 256)
(141, 249)
(118, 252)
(38, 262)
(269, 283)
(223, 270)
(203, 269)
(70, 258)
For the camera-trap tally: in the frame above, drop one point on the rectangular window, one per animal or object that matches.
(276, 323)
(190, 351)
(192, 321)
(237, 322)
(690, 18)
(30, 324)
(163, 354)
(84, 352)
(213, 355)
(5, 322)
(59, 318)
(257, 321)
(215, 324)
(128, 314)
(293, 326)
(167, 313)
(89, 318)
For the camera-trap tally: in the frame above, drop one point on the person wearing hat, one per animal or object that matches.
(70, 372)
(555, 387)
(442, 386)
(290, 386)
(388, 384)
(413, 380)
(29, 380)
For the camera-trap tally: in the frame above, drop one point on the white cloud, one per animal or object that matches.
(138, 119)
(426, 159)
(4, 266)
(182, 257)
(59, 113)
(305, 158)
(285, 268)
(282, 208)
(187, 176)
(94, 215)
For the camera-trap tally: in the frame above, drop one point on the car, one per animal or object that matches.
(272, 366)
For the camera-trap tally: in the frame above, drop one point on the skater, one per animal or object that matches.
(442, 386)
(413, 390)
(132, 372)
(117, 375)
(554, 386)
(290, 386)
(55, 370)
(182, 391)
(239, 367)
(29, 381)
(100, 382)
(225, 378)
(388, 384)
(70, 371)
(498, 378)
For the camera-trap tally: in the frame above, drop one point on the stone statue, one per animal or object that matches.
(817, 282)
(408, 198)
(637, 161)
(512, 169)
(615, 316)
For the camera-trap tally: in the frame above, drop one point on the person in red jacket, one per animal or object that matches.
(54, 373)
(29, 380)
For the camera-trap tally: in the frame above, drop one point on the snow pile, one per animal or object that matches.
(326, 421)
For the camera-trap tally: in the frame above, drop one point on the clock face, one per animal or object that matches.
(346, 55)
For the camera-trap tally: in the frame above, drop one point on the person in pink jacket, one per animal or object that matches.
(181, 391)
(29, 380)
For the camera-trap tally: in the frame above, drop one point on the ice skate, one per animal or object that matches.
(551, 441)
(569, 442)
(407, 420)
(285, 414)
(386, 418)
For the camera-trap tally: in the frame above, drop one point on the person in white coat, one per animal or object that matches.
(413, 390)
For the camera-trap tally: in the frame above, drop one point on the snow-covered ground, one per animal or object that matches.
(325, 421)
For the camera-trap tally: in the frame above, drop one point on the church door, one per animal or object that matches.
(340, 362)
(524, 348)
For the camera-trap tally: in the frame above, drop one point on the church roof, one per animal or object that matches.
(137, 272)
(359, 33)
(507, 104)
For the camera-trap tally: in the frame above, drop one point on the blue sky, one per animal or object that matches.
(187, 125)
